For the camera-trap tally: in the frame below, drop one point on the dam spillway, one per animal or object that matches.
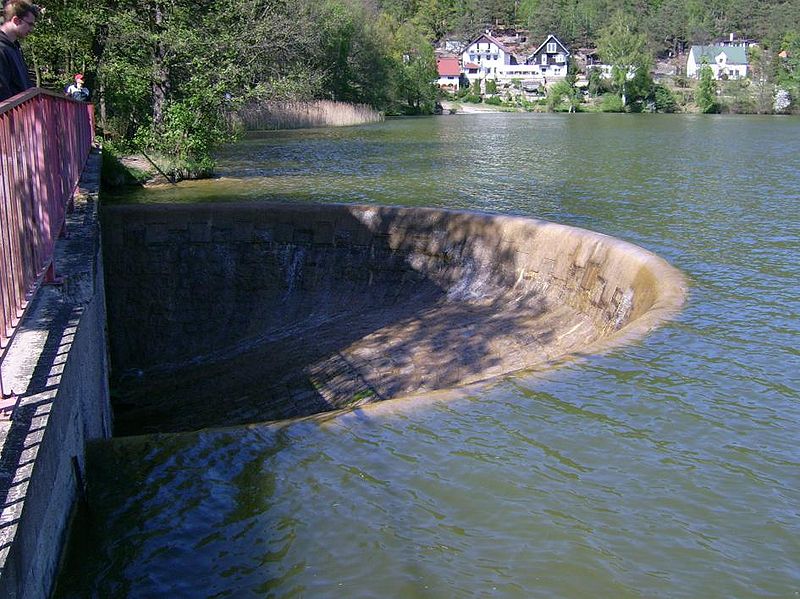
(225, 314)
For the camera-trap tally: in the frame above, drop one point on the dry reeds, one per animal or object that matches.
(304, 115)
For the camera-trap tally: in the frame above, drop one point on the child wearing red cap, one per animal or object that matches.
(77, 91)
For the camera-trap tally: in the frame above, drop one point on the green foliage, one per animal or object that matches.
(564, 95)
(414, 72)
(611, 103)
(663, 99)
(475, 88)
(706, 97)
(595, 81)
(624, 48)
(493, 101)
(491, 86)
(788, 72)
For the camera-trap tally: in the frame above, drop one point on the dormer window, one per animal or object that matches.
(551, 47)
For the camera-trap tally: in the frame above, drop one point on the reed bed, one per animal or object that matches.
(304, 115)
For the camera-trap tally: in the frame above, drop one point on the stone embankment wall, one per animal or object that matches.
(231, 313)
(57, 366)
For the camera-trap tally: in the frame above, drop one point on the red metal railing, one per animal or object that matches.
(45, 139)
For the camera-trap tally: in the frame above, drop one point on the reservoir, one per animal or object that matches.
(664, 468)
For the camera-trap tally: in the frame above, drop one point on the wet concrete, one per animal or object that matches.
(223, 314)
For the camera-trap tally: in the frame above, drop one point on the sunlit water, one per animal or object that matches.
(669, 468)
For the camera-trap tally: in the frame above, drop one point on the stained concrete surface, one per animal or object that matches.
(235, 313)
(57, 366)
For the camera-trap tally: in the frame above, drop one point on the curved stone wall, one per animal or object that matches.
(231, 313)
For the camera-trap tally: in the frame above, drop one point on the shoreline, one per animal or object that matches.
(470, 108)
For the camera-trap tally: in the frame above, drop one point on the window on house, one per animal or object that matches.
(551, 47)
(560, 59)
(544, 59)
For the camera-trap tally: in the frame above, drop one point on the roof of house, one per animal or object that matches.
(448, 66)
(492, 40)
(471, 65)
(555, 39)
(735, 54)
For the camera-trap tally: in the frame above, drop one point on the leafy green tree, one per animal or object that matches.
(595, 82)
(434, 18)
(624, 48)
(565, 94)
(415, 71)
(706, 99)
(663, 99)
(788, 72)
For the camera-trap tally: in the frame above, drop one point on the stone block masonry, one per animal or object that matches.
(225, 314)
(57, 366)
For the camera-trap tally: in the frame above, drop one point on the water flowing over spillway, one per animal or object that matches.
(235, 313)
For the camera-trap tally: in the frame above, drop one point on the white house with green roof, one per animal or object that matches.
(725, 61)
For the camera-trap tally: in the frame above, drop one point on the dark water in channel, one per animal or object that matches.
(669, 468)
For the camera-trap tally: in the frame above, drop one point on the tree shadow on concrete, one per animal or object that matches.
(24, 432)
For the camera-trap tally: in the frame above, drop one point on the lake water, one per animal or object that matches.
(668, 468)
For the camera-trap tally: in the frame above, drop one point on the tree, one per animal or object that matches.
(761, 76)
(622, 47)
(415, 71)
(707, 91)
(788, 75)
(565, 93)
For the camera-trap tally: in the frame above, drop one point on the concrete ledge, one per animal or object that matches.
(57, 366)
(232, 313)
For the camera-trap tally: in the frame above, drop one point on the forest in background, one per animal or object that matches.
(166, 75)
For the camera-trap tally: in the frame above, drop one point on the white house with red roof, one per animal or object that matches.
(449, 72)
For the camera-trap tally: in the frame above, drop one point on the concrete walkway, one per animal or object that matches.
(57, 366)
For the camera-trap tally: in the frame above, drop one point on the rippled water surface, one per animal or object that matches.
(669, 468)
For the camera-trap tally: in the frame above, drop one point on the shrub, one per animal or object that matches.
(664, 99)
(611, 103)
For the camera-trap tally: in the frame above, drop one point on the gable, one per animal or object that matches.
(560, 48)
(485, 38)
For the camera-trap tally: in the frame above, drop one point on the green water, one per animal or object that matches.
(669, 468)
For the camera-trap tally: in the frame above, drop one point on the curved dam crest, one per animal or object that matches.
(224, 314)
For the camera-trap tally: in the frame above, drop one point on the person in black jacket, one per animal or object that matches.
(19, 18)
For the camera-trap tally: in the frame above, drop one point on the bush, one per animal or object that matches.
(664, 99)
(491, 86)
(494, 101)
(611, 103)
